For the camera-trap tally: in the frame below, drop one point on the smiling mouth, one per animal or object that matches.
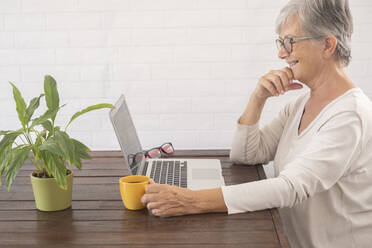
(293, 63)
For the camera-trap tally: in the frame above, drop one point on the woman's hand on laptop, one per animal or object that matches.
(165, 200)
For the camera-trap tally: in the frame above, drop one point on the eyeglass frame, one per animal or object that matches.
(145, 152)
(281, 42)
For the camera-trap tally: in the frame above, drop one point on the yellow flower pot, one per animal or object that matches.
(49, 196)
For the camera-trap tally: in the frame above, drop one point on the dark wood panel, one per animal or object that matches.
(112, 215)
(98, 218)
(175, 237)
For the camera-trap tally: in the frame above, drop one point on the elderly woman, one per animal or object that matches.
(321, 143)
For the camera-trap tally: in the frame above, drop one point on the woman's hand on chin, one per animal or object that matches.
(275, 83)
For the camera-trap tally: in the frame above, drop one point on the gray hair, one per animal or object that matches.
(320, 18)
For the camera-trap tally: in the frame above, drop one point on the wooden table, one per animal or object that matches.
(98, 218)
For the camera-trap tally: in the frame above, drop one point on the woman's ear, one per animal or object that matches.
(329, 46)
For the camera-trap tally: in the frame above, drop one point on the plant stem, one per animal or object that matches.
(40, 169)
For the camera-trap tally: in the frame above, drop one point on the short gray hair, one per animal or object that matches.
(320, 18)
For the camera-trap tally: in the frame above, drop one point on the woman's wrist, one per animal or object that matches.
(210, 200)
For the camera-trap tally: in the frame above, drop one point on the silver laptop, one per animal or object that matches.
(189, 173)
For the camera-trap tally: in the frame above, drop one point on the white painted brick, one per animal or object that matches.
(145, 55)
(47, 5)
(361, 14)
(218, 104)
(361, 51)
(2, 23)
(104, 140)
(255, 18)
(41, 39)
(226, 121)
(81, 90)
(181, 71)
(215, 35)
(242, 70)
(162, 4)
(9, 73)
(10, 122)
(259, 35)
(96, 72)
(146, 88)
(120, 37)
(215, 139)
(137, 105)
(202, 88)
(99, 5)
(88, 38)
(222, 4)
(359, 68)
(7, 106)
(254, 53)
(157, 36)
(132, 72)
(179, 139)
(74, 21)
(361, 34)
(146, 122)
(202, 53)
(258, 4)
(133, 19)
(6, 40)
(60, 73)
(186, 122)
(85, 55)
(10, 6)
(87, 122)
(24, 22)
(194, 18)
(26, 57)
(243, 87)
(170, 105)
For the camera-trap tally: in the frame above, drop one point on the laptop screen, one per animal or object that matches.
(125, 131)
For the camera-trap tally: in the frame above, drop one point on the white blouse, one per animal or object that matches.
(323, 183)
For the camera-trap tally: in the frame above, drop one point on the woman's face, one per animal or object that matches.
(305, 60)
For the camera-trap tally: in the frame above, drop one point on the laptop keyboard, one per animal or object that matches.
(172, 172)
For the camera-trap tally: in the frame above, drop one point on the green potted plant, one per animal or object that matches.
(46, 145)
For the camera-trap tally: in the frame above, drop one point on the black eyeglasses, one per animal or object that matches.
(287, 42)
(156, 152)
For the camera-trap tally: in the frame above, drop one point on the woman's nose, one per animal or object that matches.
(282, 54)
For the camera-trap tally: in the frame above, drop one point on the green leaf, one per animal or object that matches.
(47, 125)
(81, 152)
(90, 108)
(8, 140)
(16, 162)
(20, 104)
(51, 146)
(34, 104)
(58, 169)
(4, 132)
(47, 115)
(66, 145)
(81, 149)
(4, 160)
(51, 94)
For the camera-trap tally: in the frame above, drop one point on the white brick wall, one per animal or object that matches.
(186, 66)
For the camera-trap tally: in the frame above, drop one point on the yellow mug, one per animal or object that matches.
(132, 188)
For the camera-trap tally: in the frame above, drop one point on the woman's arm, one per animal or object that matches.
(165, 200)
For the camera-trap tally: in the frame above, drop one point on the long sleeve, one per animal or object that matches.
(322, 163)
(252, 145)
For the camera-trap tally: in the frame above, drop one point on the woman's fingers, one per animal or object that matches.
(276, 81)
(295, 86)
